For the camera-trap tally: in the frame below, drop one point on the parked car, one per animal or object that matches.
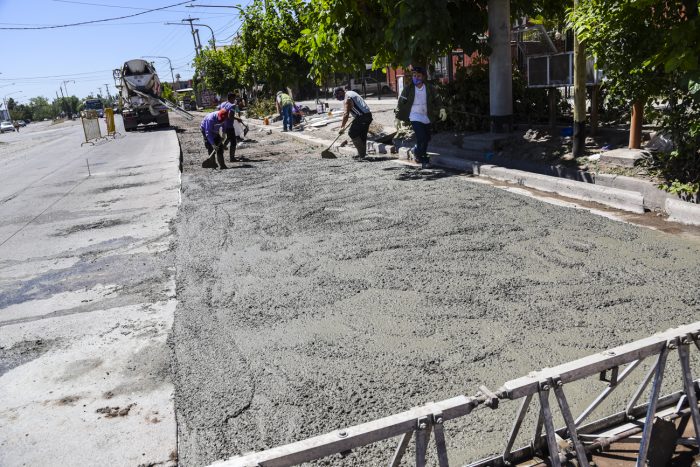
(6, 126)
(22, 123)
(370, 84)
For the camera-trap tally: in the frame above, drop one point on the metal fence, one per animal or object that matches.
(91, 126)
(557, 70)
(575, 441)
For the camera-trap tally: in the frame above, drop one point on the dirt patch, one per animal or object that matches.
(121, 187)
(101, 224)
(112, 412)
(68, 400)
(23, 352)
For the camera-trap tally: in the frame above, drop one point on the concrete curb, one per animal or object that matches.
(620, 199)
(619, 192)
(683, 212)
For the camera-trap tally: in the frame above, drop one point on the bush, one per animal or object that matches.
(261, 108)
(680, 121)
(466, 99)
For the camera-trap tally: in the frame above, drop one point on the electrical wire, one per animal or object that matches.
(132, 7)
(97, 20)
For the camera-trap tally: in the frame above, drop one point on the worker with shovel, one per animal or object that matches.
(210, 127)
(356, 106)
(230, 124)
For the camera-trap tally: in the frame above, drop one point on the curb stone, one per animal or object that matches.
(632, 200)
(683, 212)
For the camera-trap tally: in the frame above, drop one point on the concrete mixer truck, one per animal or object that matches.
(140, 96)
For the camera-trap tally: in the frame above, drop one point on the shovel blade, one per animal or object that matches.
(327, 154)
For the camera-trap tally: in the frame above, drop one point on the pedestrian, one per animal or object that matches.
(229, 127)
(284, 105)
(210, 127)
(356, 106)
(419, 104)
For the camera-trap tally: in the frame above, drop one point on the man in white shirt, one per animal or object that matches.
(417, 105)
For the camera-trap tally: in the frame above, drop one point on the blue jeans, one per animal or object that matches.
(287, 117)
(422, 132)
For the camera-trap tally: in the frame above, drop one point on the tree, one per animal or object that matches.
(41, 108)
(168, 93)
(266, 37)
(650, 49)
(343, 35)
(222, 69)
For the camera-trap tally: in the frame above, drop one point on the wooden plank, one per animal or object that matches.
(351, 437)
(587, 366)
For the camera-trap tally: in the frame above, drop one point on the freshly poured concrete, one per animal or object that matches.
(87, 295)
(315, 294)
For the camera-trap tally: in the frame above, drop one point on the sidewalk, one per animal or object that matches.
(619, 192)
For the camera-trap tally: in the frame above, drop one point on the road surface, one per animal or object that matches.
(87, 297)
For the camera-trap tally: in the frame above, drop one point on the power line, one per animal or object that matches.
(56, 76)
(124, 7)
(98, 20)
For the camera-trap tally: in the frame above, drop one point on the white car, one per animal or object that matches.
(6, 126)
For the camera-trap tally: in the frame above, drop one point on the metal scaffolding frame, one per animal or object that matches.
(573, 441)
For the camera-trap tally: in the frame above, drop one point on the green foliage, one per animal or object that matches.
(266, 35)
(167, 92)
(466, 99)
(222, 69)
(261, 108)
(649, 51)
(41, 108)
(343, 35)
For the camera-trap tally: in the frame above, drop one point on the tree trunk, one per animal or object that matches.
(636, 125)
(579, 142)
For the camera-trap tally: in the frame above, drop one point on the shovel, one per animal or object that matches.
(327, 153)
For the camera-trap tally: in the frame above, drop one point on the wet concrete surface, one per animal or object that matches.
(315, 294)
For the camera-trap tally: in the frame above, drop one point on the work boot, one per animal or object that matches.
(361, 147)
(220, 161)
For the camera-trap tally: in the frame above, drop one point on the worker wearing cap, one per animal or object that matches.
(284, 105)
(210, 127)
(356, 106)
(229, 125)
(419, 105)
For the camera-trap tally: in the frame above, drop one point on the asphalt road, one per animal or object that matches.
(87, 295)
(315, 294)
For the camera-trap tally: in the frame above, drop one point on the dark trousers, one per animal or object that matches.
(211, 162)
(360, 127)
(287, 117)
(231, 137)
(422, 132)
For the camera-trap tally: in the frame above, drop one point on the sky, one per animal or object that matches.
(36, 62)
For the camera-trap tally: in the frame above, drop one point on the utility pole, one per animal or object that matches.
(70, 105)
(109, 96)
(170, 64)
(63, 99)
(579, 139)
(196, 47)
